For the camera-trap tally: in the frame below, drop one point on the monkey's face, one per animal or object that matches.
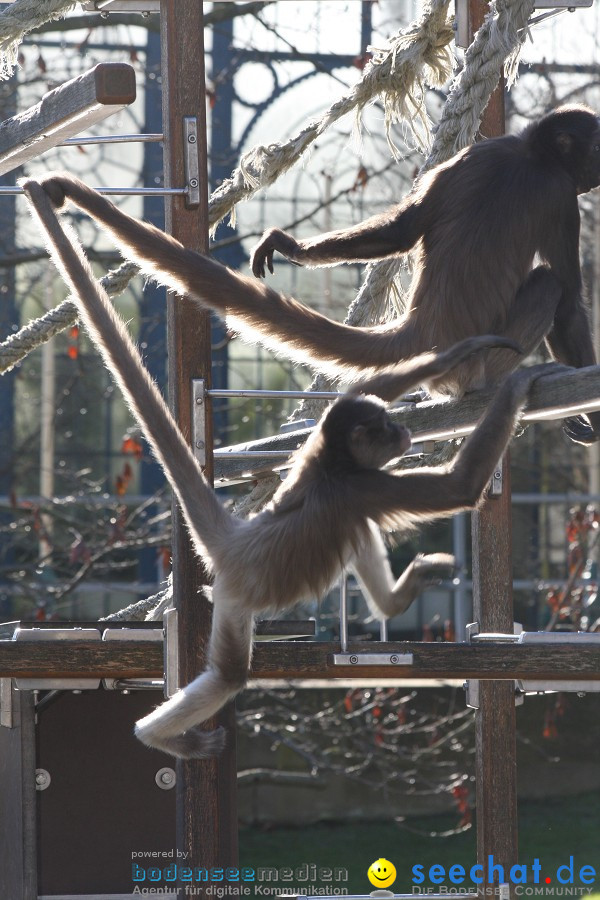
(378, 440)
(590, 172)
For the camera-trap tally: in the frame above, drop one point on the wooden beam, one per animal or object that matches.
(551, 398)
(313, 660)
(64, 112)
(491, 535)
(206, 789)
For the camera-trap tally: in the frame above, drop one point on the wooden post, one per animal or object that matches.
(206, 791)
(495, 724)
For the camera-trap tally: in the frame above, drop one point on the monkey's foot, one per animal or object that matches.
(579, 430)
(433, 568)
(195, 743)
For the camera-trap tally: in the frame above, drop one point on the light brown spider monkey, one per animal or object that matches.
(322, 514)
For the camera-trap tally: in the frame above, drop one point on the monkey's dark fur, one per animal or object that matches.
(322, 515)
(477, 223)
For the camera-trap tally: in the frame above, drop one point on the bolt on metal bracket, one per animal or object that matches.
(373, 659)
(190, 161)
(496, 482)
(171, 652)
(6, 703)
(199, 420)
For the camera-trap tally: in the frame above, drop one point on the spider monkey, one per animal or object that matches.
(477, 222)
(323, 513)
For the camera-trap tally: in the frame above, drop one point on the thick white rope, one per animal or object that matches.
(417, 56)
(497, 43)
(19, 18)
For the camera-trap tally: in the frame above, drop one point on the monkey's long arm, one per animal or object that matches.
(459, 486)
(278, 322)
(201, 508)
(374, 238)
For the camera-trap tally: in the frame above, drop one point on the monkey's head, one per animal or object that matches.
(570, 135)
(358, 433)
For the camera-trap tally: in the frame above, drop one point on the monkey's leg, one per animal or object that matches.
(385, 598)
(529, 320)
(173, 726)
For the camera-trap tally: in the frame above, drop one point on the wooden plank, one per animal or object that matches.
(64, 112)
(551, 398)
(495, 720)
(18, 831)
(314, 660)
(206, 789)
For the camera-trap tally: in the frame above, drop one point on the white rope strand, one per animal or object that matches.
(20, 17)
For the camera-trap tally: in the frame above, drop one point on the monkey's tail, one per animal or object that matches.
(174, 726)
(206, 518)
(280, 323)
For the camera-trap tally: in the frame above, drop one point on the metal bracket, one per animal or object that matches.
(474, 636)
(131, 634)
(190, 162)
(56, 634)
(472, 693)
(6, 705)
(199, 420)
(145, 7)
(373, 659)
(171, 651)
(496, 483)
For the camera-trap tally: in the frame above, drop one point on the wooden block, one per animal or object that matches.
(64, 112)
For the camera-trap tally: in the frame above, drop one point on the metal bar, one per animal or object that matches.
(111, 139)
(277, 395)
(253, 454)
(124, 191)
(343, 611)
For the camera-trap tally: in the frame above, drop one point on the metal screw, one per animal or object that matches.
(353, 660)
(394, 659)
(193, 182)
(200, 445)
(191, 138)
(165, 778)
(199, 401)
(42, 779)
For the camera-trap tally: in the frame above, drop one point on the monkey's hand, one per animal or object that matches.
(62, 186)
(423, 571)
(273, 240)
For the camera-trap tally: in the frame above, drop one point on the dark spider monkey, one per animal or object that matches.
(477, 222)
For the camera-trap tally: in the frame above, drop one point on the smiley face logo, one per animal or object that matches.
(381, 873)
